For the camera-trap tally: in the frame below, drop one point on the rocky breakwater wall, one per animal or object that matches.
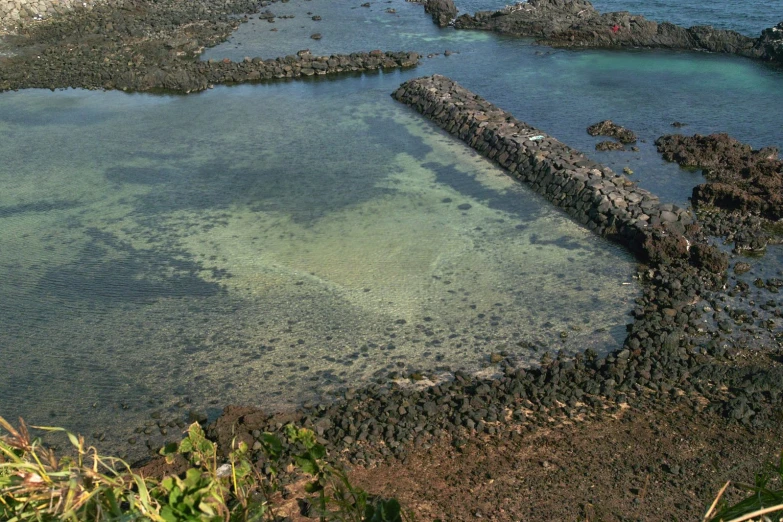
(201, 75)
(576, 23)
(592, 194)
(193, 76)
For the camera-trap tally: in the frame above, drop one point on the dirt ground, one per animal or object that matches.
(640, 465)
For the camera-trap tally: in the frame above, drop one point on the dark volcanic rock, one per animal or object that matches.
(609, 145)
(709, 258)
(612, 130)
(576, 23)
(661, 247)
(740, 178)
(442, 11)
(144, 45)
(771, 43)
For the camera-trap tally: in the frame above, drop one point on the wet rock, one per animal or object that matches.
(612, 130)
(739, 177)
(576, 23)
(609, 145)
(770, 43)
(741, 267)
(709, 258)
(442, 11)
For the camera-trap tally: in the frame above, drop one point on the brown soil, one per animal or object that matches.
(641, 465)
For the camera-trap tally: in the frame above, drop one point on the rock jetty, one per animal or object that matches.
(594, 195)
(576, 23)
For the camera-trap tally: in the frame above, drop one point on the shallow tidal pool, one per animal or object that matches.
(267, 245)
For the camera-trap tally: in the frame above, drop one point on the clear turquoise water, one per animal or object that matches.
(268, 243)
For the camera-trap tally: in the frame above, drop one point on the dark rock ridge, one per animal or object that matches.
(594, 195)
(576, 23)
(442, 11)
(740, 178)
(612, 130)
(145, 45)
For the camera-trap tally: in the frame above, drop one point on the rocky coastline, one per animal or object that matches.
(689, 348)
(741, 200)
(701, 342)
(144, 46)
(577, 24)
(594, 195)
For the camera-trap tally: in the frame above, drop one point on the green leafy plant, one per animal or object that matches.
(334, 497)
(36, 485)
(765, 501)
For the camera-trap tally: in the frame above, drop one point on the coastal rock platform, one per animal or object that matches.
(577, 24)
(139, 45)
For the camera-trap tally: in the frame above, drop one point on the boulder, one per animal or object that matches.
(442, 11)
(770, 43)
(609, 145)
(612, 130)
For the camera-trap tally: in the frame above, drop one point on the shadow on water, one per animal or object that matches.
(38, 206)
(505, 201)
(110, 271)
(329, 174)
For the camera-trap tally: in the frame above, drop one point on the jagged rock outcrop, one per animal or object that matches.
(576, 23)
(612, 130)
(771, 43)
(740, 178)
(442, 11)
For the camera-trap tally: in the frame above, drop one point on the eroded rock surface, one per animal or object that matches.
(576, 23)
(442, 11)
(740, 178)
(612, 130)
(145, 45)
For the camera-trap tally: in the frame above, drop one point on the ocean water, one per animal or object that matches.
(267, 244)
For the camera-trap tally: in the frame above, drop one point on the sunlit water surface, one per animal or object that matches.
(267, 244)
